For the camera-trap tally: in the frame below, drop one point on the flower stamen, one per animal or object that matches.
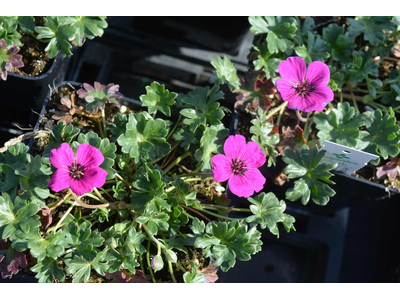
(302, 89)
(238, 166)
(76, 171)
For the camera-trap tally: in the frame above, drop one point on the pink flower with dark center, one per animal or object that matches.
(80, 174)
(239, 166)
(305, 91)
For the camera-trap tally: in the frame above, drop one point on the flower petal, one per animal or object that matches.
(60, 180)
(62, 157)
(3, 44)
(95, 177)
(293, 69)
(253, 156)
(89, 156)
(317, 99)
(88, 87)
(245, 185)
(80, 187)
(390, 169)
(221, 168)
(234, 146)
(318, 74)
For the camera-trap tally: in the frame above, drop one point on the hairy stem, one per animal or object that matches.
(177, 160)
(171, 271)
(276, 109)
(148, 261)
(173, 129)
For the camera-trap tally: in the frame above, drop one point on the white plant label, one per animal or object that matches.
(348, 159)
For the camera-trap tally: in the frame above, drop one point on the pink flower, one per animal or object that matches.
(239, 166)
(305, 91)
(9, 59)
(80, 174)
(392, 169)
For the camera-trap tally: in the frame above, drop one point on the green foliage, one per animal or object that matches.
(60, 134)
(47, 269)
(8, 30)
(203, 107)
(268, 212)
(361, 67)
(210, 144)
(383, 138)
(341, 125)
(81, 268)
(42, 247)
(279, 31)
(149, 195)
(225, 72)
(118, 127)
(100, 214)
(86, 27)
(263, 135)
(265, 60)
(225, 242)
(373, 28)
(306, 164)
(317, 49)
(157, 98)
(341, 44)
(144, 138)
(17, 214)
(183, 193)
(193, 276)
(106, 148)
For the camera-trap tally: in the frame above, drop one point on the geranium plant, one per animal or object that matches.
(140, 199)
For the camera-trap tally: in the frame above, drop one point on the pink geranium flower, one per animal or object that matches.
(305, 91)
(239, 166)
(80, 174)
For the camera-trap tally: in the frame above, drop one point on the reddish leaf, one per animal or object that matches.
(293, 139)
(391, 169)
(46, 218)
(211, 273)
(255, 91)
(11, 261)
(122, 277)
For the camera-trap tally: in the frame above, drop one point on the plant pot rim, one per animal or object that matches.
(54, 61)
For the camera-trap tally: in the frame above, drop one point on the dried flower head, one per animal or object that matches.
(304, 90)
(9, 59)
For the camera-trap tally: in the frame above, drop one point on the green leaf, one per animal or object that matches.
(144, 138)
(50, 246)
(210, 144)
(306, 164)
(372, 85)
(60, 36)
(264, 136)
(267, 211)
(60, 134)
(265, 60)
(203, 107)
(100, 214)
(118, 127)
(81, 268)
(83, 239)
(119, 191)
(300, 191)
(150, 196)
(317, 49)
(341, 125)
(341, 44)
(225, 72)
(87, 27)
(279, 31)
(225, 242)
(16, 213)
(383, 139)
(48, 269)
(372, 27)
(157, 98)
(197, 226)
(190, 139)
(106, 148)
(193, 276)
(361, 67)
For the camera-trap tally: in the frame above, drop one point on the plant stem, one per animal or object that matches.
(276, 109)
(194, 174)
(148, 262)
(216, 215)
(180, 267)
(215, 207)
(100, 129)
(103, 118)
(280, 115)
(177, 160)
(126, 182)
(63, 217)
(173, 129)
(172, 148)
(195, 211)
(353, 98)
(341, 97)
(307, 128)
(105, 192)
(96, 191)
(197, 179)
(171, 271)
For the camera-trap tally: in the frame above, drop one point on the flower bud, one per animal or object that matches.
(157, 263)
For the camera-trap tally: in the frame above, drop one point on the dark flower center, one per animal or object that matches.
(238, 166)
(76, 171)
(302, 89)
